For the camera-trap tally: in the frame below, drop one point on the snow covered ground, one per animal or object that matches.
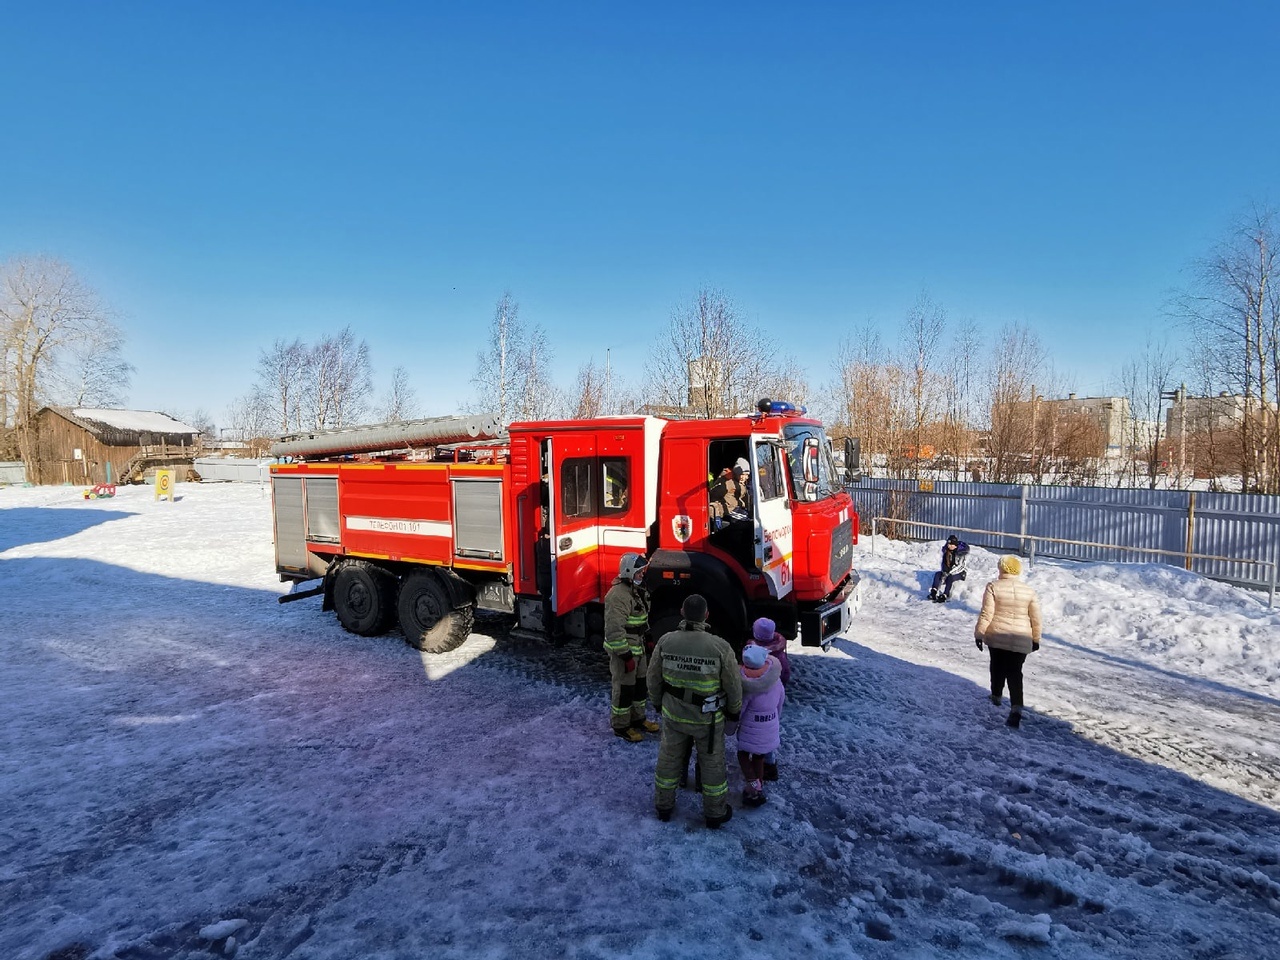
(188, 768)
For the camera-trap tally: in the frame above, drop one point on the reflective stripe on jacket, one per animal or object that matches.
(626, 619)
(689, 665)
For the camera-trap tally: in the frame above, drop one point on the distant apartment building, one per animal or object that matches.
(1205, 414)
(1109, 416)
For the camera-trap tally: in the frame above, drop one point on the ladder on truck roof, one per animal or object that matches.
(397, 436)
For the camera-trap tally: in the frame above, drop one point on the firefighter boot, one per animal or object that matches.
(647, 726)
(629, 734)
(715, 823)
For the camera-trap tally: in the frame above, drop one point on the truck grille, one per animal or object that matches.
(841, 551)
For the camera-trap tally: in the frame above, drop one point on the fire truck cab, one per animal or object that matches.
(587, 492)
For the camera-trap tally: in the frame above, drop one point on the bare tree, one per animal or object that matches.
(97, 373)
(401, 401)
(337, 381)
(281, 373)
(253, 419)
(46, 313)
(960, 391)
(921, 344)
(712, 364)
(1143, 380)
(867, 388)
(512, 377)
(785, 379)
(589, 392)
(206, 429)
(538, 397)
(1017, 360)
(1234, 304)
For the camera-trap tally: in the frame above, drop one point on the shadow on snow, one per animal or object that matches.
(197, 729)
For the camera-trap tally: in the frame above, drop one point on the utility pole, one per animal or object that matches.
(1182, 430)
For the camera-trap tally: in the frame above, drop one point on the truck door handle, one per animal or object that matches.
(768, 552)
(564, 543)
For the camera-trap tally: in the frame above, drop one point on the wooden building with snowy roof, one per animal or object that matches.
(84, 445)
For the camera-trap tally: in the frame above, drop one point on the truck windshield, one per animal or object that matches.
(828, 478)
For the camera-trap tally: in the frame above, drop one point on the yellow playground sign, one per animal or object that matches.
(164, 485)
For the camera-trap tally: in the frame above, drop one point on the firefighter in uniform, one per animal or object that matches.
(626, 627)
(696, 683)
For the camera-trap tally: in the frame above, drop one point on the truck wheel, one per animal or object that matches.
(427, 616)
(364, 597)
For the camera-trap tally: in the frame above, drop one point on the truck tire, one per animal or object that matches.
(427, 616)
(364, 597)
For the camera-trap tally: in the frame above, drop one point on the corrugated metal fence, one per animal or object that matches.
(239, 469)
(1238, 526)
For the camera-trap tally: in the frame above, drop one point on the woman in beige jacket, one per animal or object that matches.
(1009, 625)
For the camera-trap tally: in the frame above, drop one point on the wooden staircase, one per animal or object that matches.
(141, 462)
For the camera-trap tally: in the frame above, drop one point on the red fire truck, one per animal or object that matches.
(424, 522)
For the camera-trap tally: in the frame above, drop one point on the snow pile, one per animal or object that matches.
(1152, 615)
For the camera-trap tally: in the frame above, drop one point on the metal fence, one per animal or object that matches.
(12, 471)
(1225, 529)
(240, 469)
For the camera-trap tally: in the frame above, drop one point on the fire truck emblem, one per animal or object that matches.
(682, 527)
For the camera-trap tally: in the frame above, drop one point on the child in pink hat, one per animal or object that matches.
(765, 632)
(760, 726)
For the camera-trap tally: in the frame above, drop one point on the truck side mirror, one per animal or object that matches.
(852, 459)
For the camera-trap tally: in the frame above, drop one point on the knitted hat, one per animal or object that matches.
(741, 466)
(1011, 565)
(764, 629)
(694, 608)
(754, 656)
(953, 539)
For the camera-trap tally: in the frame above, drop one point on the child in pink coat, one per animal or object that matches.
(760, 723)
(765, 632)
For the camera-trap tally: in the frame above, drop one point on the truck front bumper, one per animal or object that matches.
(822, 624)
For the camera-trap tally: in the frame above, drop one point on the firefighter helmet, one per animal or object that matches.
(632, 567)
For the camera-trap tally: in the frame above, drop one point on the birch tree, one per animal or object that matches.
(513, 371)
(281, 372)
(338, 381)
(712, 363)
(1234, 304)
(401, 400)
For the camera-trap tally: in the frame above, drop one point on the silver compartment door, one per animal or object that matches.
(477, 519)
(291, 530)
(322, 510)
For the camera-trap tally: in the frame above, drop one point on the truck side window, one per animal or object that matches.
(615, 488)
(771, 483)
(575, 488)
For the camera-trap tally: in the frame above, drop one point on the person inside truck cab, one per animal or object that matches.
(730, 493)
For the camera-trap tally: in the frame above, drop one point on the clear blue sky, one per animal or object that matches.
(227, 173)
